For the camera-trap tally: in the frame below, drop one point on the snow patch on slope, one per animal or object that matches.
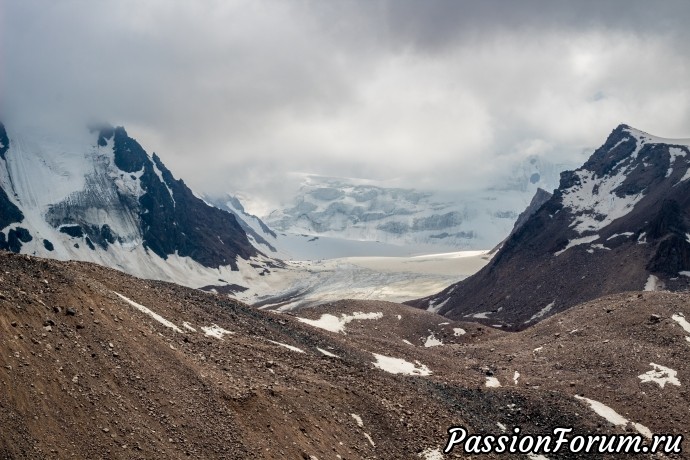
(431, 454)
(400, 366)
(334, 324)
(432, 341)
(215, 331)
(327, 353)
(492, 382)
(660, 375)
(289, 347)
(149, 312)
(680, 319)
(576, 242)
(541, 312)
(594, 201)
(614, 417)
(653, 284)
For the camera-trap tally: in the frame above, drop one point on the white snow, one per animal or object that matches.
(289, 347)
(443, 324)
(457, 331)
(674, 152)
(399, 317)
(599, 246)
(371, 441)
(653, 284)
(408, 342)
(685, 177)
(594, 202)
(516, 376)
(680, 319)
(400, 366)
(188, 326)
(661, 375)
(327, 353)
(358, 419)
(481, 315)
(614, 417)
(149, 312)
(541, 312)
(576, 242)
(431, 454)
(432, 341)
(492, 382)
(616, 235)
(215, 331)
(334, 324)
(436, 308)
(537, 457)
(160, 177)
(501, 426)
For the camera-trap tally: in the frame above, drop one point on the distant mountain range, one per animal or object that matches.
(619, 223)
(416, 221)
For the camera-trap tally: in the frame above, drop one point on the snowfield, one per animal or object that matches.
(400, 366)
(334, 324)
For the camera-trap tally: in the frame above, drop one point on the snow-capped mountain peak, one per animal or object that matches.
(620, 222)
(97, 195)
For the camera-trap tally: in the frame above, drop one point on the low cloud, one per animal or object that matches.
(236, 95)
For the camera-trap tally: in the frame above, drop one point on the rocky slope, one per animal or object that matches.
(619, 223)
(98, 364)
(96, 195)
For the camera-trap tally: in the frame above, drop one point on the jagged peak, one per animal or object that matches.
(643, 136)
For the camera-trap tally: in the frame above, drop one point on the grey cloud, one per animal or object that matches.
(234, 95)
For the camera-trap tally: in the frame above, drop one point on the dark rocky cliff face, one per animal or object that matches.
(173, 219)
(4, 141)
(9, 212)
(622, 217)
(538, 200)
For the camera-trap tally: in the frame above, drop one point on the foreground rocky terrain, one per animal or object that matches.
(98, 364)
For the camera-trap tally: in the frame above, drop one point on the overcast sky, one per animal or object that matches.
(241, 95)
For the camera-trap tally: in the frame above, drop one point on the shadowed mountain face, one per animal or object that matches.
(97, 195)
(621, 222)
(98, 364)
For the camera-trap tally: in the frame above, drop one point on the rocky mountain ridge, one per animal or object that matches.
(619, 223)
